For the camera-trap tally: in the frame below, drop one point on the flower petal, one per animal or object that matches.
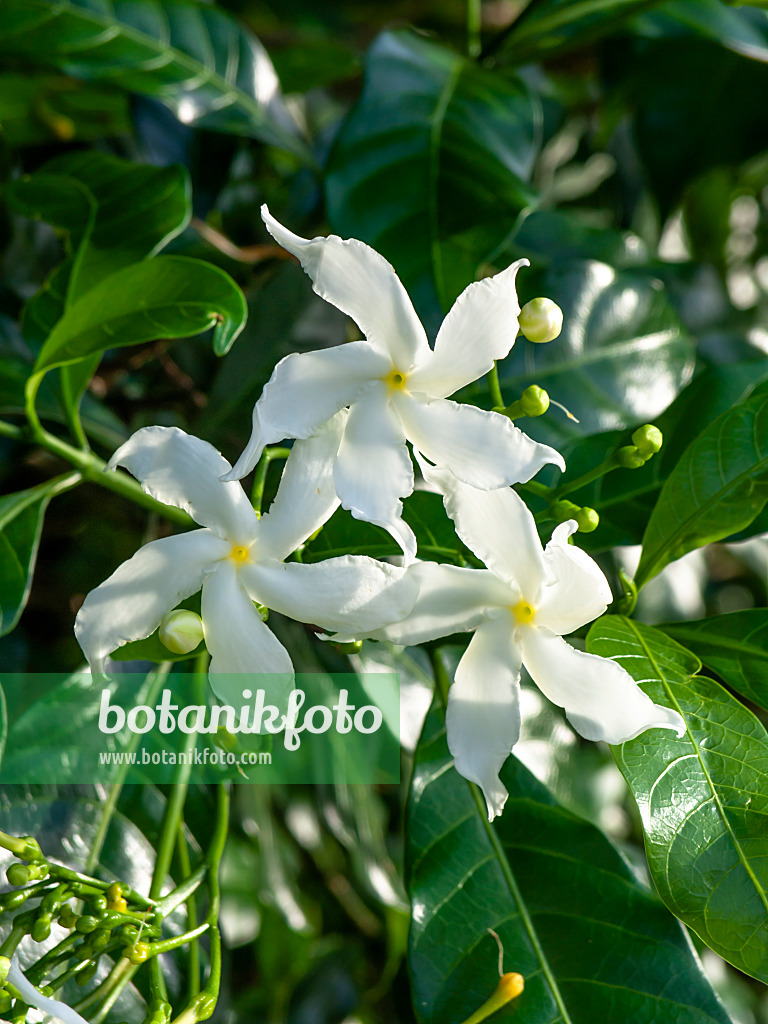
(482, 448)
(497, 526)
(601, 700)
(450, 600)
(32, 996)
(483, 716)
(578, 591)
(304, 391)
(480, 328)
(182, 470)
(362, 284)
(130, 604)
(353, 594)
(373, 469)
(240, 644)
(306, 497)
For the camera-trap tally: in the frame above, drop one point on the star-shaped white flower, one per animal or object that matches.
(395, 385)
(238, 558)
(519, 609)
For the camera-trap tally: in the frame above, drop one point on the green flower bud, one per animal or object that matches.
(98, 904)
(5, 966)
(87, 924)
(137, 953)
(41, 929)
(541, 320)
(67, 917)
(181, 631)
(129, 934)
(629, 458)
(648, 440)
(564, 510)
(5, 1002)
(587, 519)
(99, 939)
(534, 401)
(18, 874)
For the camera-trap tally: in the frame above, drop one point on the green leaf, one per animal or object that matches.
(733, 645)
(164, 297)
(554, 26)
(702, 796)
(592, 943)
(431, 166)
(38, 108)
(621, 357)
(21, 522)
(718, 487)
(739, 29)
(194, 58)
(3, 724)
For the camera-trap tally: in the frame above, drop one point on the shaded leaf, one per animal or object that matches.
(702, 796)
(719, 486)
(591, 942)
(36, 108)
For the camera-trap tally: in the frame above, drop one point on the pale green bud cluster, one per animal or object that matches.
(647, 441)
(541, 320)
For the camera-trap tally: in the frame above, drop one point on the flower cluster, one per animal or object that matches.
(351, 409)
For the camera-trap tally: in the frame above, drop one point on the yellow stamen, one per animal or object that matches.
(524, 613)
(395, 380)
(239, 553)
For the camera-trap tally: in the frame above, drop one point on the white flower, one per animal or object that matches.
(237, 559)
(519, 609)
(34, 997)
(396, 385)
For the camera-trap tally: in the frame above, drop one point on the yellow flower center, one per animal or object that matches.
(524, 613)
(239, 553)
(395, 380)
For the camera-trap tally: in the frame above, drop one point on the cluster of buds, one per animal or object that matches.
(646, 442)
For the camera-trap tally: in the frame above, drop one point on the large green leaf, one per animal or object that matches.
(741, 29)
(733, 645)
(592, 943)
(21, 522)
(37, 108)
(164, 297)
(719, 486)
(191, 56)
(621, 357)
(702, 796)
(430, 167)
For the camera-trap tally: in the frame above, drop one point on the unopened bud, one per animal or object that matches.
(534, 401)
(181, 631)
(5, 1001)
(564, 510)
(18, 874)
(588, 519)
(648, 440)
(541, 320)
(629, 457)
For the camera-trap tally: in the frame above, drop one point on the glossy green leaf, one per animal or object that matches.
(621, 358)
(165, 297)
(554, 26)
(194, 58)
(739, 29)
(21, 522)
(733, 645)
(719, 486)
(38, 108)
(591, 942)
(702, 796)
(431, 166)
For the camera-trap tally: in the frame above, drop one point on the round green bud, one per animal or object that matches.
(541, 320)
(564, 510)
(129, 933)
(5, 966)
(41, 929)
(181, 631)
(87, 924)
(18, 874)
(534, 401)
(648, 440)
(5, 1002)
(98, 904)
(137, 953)
(587, 519)
(629, 458)
(67, 917)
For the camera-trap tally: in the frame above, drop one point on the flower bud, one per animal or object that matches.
(5, 966)
(18, 874)
(137, 953)
(5, 1002)
(67, 917)
(629, 457)
(41, 929)
(564, 510)
(587, 519)
(181, 631)
(534, 401)
(648, 440)
(86, 924)
(541, 320)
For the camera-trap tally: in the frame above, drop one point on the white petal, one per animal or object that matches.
(578, 591)
(306, 497)
(182, 470)
(450, 600)
(373, 469)
(352, 594)
(130, 604)
(484, 449)
(240, 644)
(304, 391)
(361, 283)
(483, 716)
(480, 328)
(34, 997)
(497, 526)
(601, 700)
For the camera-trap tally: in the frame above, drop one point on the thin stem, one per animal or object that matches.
(582, 481)
(9, 430)
(534, 487)
(193, 967)
(260, 479)
(474, 21)
(494, 387)
(442, 680)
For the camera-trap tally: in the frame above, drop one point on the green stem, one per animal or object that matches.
(260, 479)
(442, 680)
(59, 872)
(588, 478)
(534, 487)
(9, 430)
(193, 966)
(473, 28)
(497, 399)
